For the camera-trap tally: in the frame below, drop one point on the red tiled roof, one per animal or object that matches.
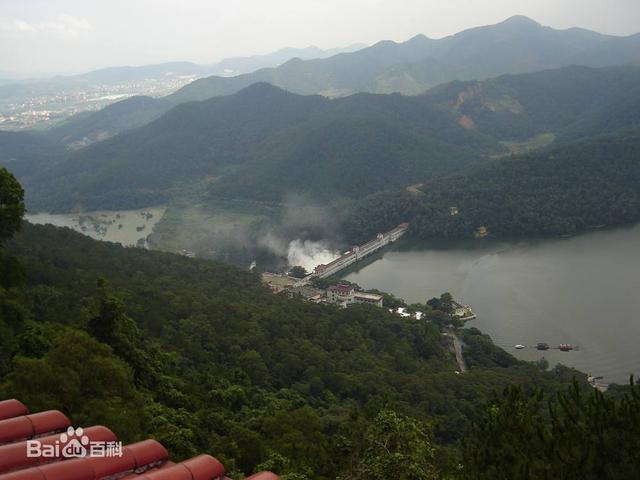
(146, 460)
(341, 289)
(12, 408)
(14, 455)
(29, 426)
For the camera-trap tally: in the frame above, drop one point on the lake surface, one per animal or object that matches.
(583, 290)
(127, 227)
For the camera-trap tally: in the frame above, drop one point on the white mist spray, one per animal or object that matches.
(309, 254)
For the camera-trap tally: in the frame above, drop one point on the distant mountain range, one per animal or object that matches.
(14, 86)
(517, 45)
(264, 143)
(240, 65)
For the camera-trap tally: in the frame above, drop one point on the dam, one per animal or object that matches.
(357, 253)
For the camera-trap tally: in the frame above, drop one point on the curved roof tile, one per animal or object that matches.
(146, 460)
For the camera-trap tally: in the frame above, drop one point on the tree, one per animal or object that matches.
(580, 436)
(82, 377)
(11, 212)
(298, 272)
(393, 446)
(11, 204)
(444, 303)
(114, 327)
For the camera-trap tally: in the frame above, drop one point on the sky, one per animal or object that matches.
(71, 36)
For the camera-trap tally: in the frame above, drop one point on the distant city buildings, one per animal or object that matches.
(67, 97)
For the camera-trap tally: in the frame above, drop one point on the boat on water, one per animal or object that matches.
(542, 346)
(565, 347)
(519, 347)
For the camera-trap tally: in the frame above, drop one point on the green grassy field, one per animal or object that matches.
(206, 229)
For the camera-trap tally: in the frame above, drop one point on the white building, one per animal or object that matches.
(345, 295)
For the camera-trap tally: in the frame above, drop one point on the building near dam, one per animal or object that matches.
(345, 295)
(359, 252)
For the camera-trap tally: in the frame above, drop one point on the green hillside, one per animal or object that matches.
(262, 143)
(571, 102)
(579, 186)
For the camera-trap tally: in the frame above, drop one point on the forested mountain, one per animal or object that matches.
(239, 65)
(570, 102)
(264, 143)
(90, 127)
(569, 189)
(517, 45)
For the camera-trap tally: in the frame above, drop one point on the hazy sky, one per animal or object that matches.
(76, 35)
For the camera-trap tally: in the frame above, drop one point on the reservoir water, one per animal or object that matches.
(583, 290)
(127, 227)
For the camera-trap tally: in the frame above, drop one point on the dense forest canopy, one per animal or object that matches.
(11, 205)
(261, 144)
(580, 186)
(581, 436)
